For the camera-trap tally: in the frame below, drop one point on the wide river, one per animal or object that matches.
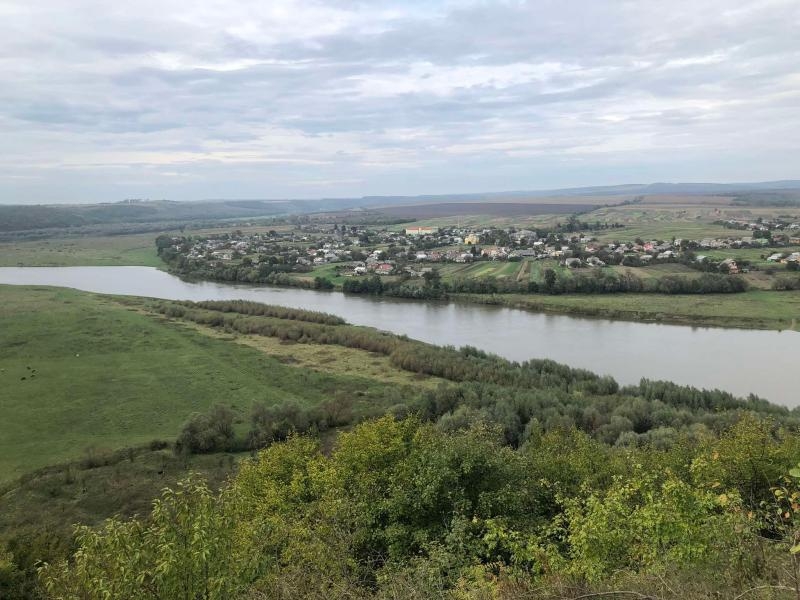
(739, 361)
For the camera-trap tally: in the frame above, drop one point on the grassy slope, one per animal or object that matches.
(107, 376)
(120, 250)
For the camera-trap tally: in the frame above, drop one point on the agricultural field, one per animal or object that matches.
(494, 209)
(85, 373)
(665, 217)
(480, 221)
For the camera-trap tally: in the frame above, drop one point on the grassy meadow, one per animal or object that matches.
(81, 373)
(117, 250)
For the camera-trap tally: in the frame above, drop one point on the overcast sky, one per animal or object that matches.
(101, 101)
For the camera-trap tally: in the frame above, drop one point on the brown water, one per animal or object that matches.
(739, 361)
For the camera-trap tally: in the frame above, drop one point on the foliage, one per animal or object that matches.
(404, 509)
(186, 549)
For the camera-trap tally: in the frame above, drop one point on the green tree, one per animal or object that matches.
(186, 550)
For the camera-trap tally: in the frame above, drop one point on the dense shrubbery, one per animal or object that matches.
(245, 307)
(598, 282)
(786, 283)
(212, 432)
(400, 509)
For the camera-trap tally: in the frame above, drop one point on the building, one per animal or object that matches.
(472, 239)
(421, 230)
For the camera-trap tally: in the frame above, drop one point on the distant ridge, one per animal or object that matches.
(611, 190)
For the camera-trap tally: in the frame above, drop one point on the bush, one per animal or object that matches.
(211, 432)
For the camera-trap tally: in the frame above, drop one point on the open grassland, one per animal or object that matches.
(81, 372)
(336, 360)
(117, 250)
(756, 309)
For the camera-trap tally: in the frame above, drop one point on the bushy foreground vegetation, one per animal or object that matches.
(403, 509)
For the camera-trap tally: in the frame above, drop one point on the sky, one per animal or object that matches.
(178, 99)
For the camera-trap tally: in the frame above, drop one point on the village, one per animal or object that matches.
(414, 250)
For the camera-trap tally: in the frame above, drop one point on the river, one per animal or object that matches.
(737, 360)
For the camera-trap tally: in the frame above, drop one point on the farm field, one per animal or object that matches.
(659, 229)
(495, 209)
(476, 221)
(663, 218)
(85, 373)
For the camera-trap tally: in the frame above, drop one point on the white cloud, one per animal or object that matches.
(285, 97)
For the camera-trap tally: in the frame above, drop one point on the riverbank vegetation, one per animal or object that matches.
(755, 309)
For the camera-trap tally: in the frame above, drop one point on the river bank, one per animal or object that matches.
(757, 309)
(763, 362)
(753, 309)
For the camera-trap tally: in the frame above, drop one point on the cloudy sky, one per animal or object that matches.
(101, 101)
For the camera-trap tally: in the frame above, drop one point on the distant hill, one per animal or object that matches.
(16, 218)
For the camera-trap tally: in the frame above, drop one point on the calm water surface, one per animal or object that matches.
(739, 361)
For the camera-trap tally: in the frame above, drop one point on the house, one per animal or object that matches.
(495, 252)
(775, 257)
(731, 265)
(421, 230)
(593, 261)
(572, 262)
(384, 268)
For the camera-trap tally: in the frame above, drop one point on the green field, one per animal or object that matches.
(477, 270)
(756, 309)
(756, 256)
(82, 373)
(118, 250)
